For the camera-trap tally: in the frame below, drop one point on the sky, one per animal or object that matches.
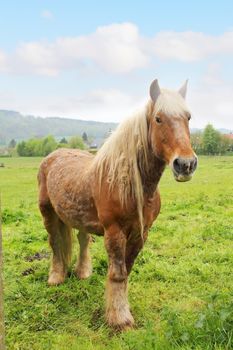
(95, 60)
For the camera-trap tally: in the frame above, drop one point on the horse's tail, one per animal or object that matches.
(65, 243)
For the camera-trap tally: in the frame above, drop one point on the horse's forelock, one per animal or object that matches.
(171, 103)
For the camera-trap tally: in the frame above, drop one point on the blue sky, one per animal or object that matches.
(96, 59)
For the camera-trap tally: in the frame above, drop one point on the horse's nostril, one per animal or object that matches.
(194, 166)
(177, 165)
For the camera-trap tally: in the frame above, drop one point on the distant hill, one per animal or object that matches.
(14, 125)
(225, 131)
(221, 130)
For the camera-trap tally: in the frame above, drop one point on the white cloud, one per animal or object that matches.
(212, 105)
(213, 77)
(37, 58)
(116, 48)
(211, 100)
(47, 14)
(191, 46)
(119, 49)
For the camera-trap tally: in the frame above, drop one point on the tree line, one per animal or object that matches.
(211, 142)
(208, 142)
(43, 146)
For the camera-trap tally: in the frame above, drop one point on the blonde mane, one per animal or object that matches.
(123, 156)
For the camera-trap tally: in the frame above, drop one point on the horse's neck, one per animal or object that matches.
(151, 179)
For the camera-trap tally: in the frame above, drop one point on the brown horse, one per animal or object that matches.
(115, 193)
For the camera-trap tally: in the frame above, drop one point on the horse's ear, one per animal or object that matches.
(154, 90)
(183, 90)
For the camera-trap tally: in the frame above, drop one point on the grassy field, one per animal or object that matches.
(180, 290)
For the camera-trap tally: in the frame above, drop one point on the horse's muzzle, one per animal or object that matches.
(183, 168)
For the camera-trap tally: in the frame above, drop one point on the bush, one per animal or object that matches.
(76, 142)
(211, 142)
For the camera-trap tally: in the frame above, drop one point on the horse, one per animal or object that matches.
(115, 193)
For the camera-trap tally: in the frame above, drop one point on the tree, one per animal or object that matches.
(33, 148)
(12, 143)
(225, 144)
(63, 140)
(231, 145)
(21, 148)
(84, 137)
(76, 142)
(211, 140)
(49, 144)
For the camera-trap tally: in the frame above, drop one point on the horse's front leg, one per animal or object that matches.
(117, 307)
(134, 245)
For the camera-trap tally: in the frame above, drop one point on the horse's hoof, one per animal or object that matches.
(120, 322)
(83, 273)
(122, 327)
(55, 278)
(126, 326)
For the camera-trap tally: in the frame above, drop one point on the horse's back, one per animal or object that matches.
(64, 157)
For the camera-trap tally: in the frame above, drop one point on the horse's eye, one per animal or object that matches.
(158, 120)
(189, 116)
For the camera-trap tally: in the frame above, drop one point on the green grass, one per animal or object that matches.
(180, 289)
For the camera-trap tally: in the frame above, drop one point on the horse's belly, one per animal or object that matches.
(79, 213)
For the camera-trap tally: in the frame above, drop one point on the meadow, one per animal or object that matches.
(181, 286)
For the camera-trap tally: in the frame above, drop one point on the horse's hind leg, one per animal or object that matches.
(60, 239)
(84, 267)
